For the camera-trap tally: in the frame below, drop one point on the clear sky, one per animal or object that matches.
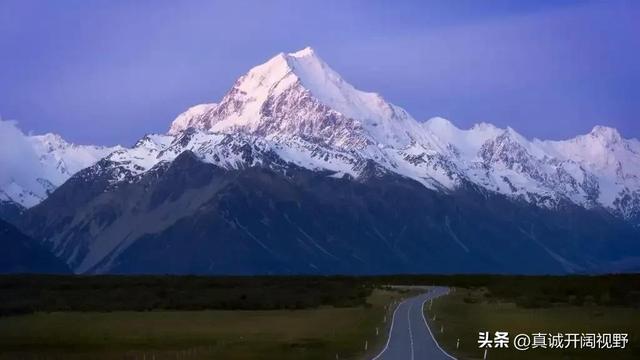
(108, 71)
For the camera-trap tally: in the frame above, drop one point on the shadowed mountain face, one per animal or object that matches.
(21, 254)
(189, 216)
(10, 211)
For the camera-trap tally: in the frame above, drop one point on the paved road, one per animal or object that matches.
(410, 338)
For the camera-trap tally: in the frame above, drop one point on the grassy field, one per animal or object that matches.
(210, 334)
(294, 317)
(465, 312)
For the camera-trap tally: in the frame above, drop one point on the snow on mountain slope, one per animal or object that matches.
(318, 120)
(613, 162)
(503, 161)
(603, 152)
(600, 168)
(302, 109)
(39, 164)
(61, 159)
(299, 94)
(295, 109)
(191, 117)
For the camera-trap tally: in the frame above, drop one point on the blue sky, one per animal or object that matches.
(109, 71)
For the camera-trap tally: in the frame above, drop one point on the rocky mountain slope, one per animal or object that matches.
(21, 254)
(295, 170)
(299, 103)
(190, 216)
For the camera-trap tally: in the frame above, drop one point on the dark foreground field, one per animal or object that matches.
(168, 317)
(548, 305)
(464, 313)
(165, 317)
(318, 333)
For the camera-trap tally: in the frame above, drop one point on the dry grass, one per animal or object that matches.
(273, 334)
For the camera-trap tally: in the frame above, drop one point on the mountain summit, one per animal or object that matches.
(299, 94)
(42, 163)
(296, 100)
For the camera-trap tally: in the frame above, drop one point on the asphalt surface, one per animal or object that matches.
(410, 337)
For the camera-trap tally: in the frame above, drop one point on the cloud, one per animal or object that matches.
(18, 160)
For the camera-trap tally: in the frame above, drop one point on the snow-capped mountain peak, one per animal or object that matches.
(297, 102)
(294, 121)
(46, 162)
(607, 134)
(191, 117)
(50, 140)
(307, 51)
(299, 94)
(295, 109)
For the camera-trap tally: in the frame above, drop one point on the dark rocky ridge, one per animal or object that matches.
(21, 254)
(191, 217)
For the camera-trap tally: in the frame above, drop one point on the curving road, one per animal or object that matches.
(410, 337)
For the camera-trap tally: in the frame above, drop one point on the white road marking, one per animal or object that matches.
(393, 321)
(410, 331)
(430, 333)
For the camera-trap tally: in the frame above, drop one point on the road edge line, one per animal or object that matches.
(431, 333)
(393, 321)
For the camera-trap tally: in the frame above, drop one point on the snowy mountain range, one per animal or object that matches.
(296, 107)
(38, 164)
(296, 118)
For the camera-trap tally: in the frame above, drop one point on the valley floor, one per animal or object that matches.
(197, 317)
(210, 334)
